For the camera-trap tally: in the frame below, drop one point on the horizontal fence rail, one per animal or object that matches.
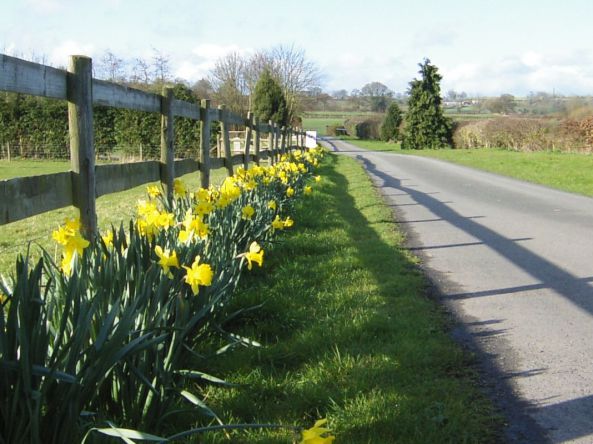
(24, 197)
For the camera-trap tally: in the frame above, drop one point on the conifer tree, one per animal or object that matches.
(425, 124)
(391, 123)
(269, 102)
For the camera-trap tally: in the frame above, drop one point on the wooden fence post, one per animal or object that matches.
(283, 134)
(256, 139)
(82, 150)
(271, 137)
(205, 144)
(167, 143)
(277, 141)
(226, 140)
(248, 132)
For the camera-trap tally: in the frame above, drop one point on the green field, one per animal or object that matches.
(320, 124)
(22, 168)
(564, 171)
(320, 120)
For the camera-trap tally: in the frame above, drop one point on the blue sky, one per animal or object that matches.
(481, 47)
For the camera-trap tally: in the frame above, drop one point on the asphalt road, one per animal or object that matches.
(514, 262)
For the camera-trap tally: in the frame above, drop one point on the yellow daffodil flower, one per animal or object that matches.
(195, 225)
(108, 239)
(204, 207)
(247, 212)
(277, 223)
(185, 236)
(229, 189)
(272, 205)
(60, 236)
(146, 208)
(314, 434)
(165, 220)
(307, 190)
(198, 274)
(66, 263)
(250, 185)
(72, 224)
(76, 243)
(255, 254)
(288, 222)
(290, 191)
(153, 191)
(179, 187)
(167, 260)
(317, 178)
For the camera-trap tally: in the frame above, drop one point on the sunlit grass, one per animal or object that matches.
(347, 333)
(564, 171)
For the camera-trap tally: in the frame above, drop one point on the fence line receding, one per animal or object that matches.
(24, 197)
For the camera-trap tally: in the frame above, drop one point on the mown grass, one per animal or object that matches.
(22, 168)
(564, 171)
(112, 209)
(320, 124)
(347, 333)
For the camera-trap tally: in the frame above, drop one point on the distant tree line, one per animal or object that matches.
(424, 125)
(373, 96)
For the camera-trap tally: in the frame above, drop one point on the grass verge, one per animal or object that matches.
(347, 333)
(564, 171)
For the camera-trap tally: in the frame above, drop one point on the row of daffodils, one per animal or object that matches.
(105, 339)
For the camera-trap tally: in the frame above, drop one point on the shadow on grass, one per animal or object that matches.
(348, 332)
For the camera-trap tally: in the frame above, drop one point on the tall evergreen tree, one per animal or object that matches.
(425, 124)
(269, 102)
(391, 123)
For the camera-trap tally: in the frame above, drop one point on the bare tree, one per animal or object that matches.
(112, 67)
(340, 94)
(254, 67)
(161, 66)
(234, 77)
(140, 72)
(229, 81)
(296, 73)
(203, 89)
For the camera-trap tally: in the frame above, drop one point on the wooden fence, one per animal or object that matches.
(23, 197)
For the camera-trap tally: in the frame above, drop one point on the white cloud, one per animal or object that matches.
(212, 51)
(193, 71)
(10, 49)
(60, 54)
(438, 35)
(352, 70)
(531, 58)
(203, 59)
(519, 74)
(45, 6)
